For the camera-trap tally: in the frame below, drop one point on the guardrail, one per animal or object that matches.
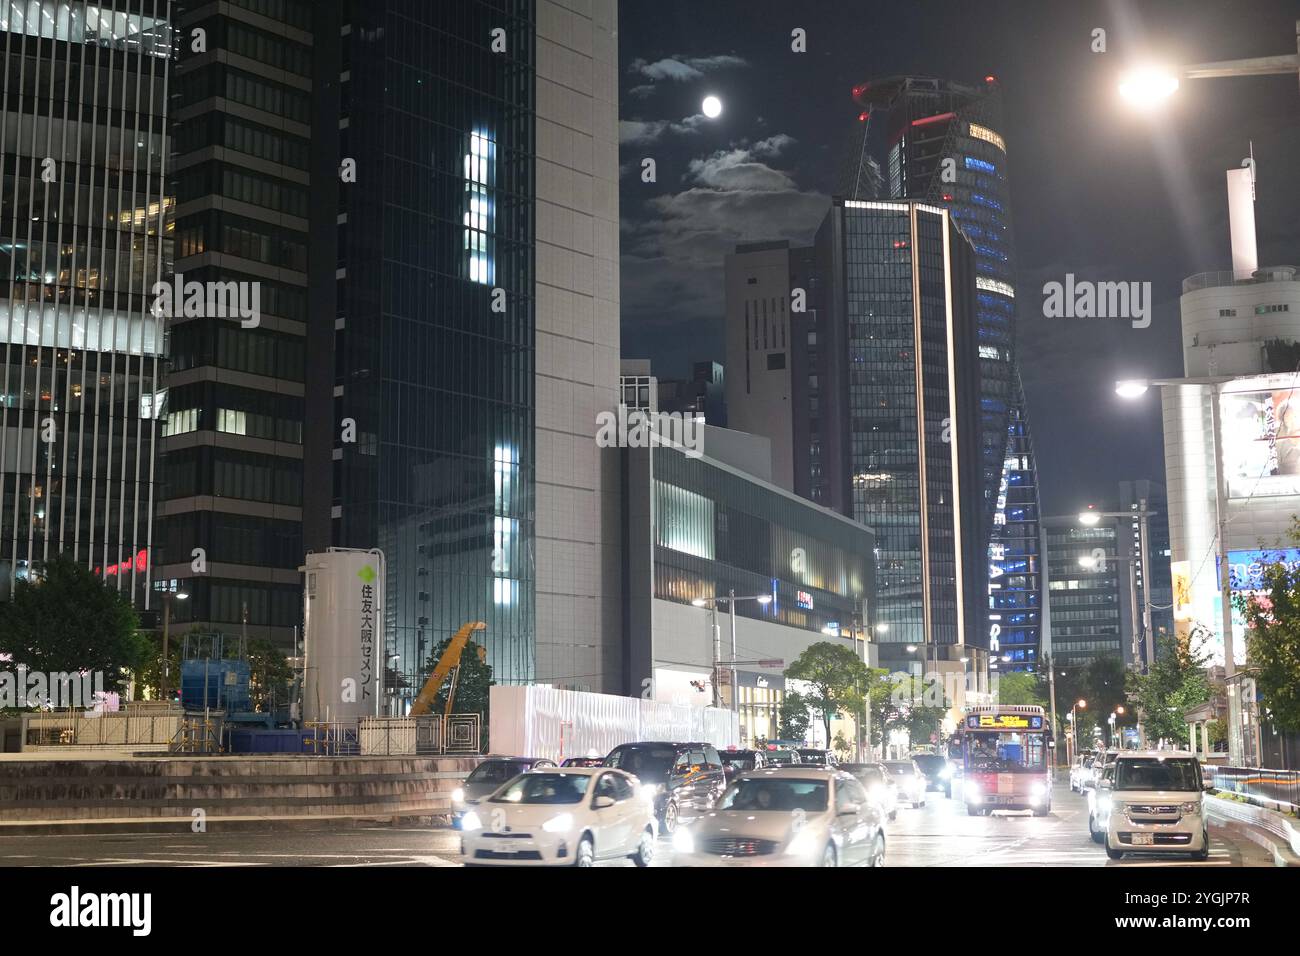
(1275, 789)
(1227, 277)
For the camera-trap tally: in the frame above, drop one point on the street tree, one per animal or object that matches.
(1019, 687)
(67, 620)
(793, 717)
(1174, 683)
(837, 680)
(473, 683)
(1273, 639)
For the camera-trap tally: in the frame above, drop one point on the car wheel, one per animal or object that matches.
(921, 804)
(645, 851)
(1097, 835)
(877, 857)
(1113, 854)
(947, 792)
(828, 856)
(1204, 852)
(670, 818)
(973, 811)
(893, 815)
(586, 855)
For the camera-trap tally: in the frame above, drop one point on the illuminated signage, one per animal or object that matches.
(1003, 722)
(986, 134)
(1261, 443)
(804, 600)
(1246, 568)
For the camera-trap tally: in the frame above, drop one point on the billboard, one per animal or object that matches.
(343, 637)
(1246, 568)
(1261, 442)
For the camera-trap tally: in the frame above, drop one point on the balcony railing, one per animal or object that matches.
(1226, 277)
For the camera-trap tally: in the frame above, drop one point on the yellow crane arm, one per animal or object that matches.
(450, 658)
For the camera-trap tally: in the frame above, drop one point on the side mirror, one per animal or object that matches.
(851, 809)
(602, 803)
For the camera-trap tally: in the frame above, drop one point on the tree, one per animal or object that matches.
(67, 620)
(793, 716)
(885, 712)
(1273, 639)
(1019, 687)
(837, 679)
(1175, 682)
(269, 675)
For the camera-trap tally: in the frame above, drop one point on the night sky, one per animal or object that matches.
(1097, 190)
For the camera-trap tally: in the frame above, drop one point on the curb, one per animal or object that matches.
(218, 824)
(1260, 826)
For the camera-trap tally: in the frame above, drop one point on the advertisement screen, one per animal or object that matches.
(1261, 442)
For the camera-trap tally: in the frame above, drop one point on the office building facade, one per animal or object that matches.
(945, 145)
(242, 140)
(83, 241)
(1091, 601)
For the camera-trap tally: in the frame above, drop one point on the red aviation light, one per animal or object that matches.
(947, 197)
(990, 79)
(927, 120)
(862, 117)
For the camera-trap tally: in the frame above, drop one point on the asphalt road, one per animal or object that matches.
(939, 834)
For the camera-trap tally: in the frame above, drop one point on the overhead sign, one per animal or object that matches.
(1246, 568)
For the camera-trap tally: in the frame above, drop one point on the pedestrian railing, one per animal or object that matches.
(1275, 789)
(428, 735)
(124, 730)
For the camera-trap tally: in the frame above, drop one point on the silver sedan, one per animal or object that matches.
(794, 816)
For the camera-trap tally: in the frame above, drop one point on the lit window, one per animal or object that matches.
(986, 134)
(480, 164)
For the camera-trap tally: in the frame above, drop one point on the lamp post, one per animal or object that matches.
(168, 595)
(1089, 519)
(1136, 389)
(1148, 86)
(1074, 725)
(731, 599)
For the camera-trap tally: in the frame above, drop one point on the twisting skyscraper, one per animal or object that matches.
(945, 145)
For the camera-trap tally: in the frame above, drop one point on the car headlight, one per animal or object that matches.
(805, 843)
(973, 791)
(683, 842)
(1104, 804)
(561, 824)
(945, 773)
(458, 795)
(649, 791)
(471, 822)
(1191, 808)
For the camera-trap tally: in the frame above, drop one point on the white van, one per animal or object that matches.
(1157, 805)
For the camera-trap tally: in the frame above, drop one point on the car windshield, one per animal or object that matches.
(546, 788)
(496, 771)
(813, 756)
(900, 769)
(930, 763)
(765, 793)
(738, 761)
(651, 763)
(1153, 773)
(783, 758)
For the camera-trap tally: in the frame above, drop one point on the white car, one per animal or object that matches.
(1081, 773)
(1099, 804)
(792, 816)
(1156, 805)
(561, 816)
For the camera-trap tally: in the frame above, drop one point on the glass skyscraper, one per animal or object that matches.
(945, 145)
(83, 240)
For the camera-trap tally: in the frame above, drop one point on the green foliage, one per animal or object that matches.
(269, 675)
(68, 620)
(1175, 683)
(1273, 640)
(1019, 687)
(837, 678)
(793, 717)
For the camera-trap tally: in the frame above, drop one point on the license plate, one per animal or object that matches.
(1144, 839)
(508, 846)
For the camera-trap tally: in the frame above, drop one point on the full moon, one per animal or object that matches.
(712, 107)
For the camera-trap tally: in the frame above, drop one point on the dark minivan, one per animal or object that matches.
(936, 770)
(687, 777)
(742, 761)
(486, 777)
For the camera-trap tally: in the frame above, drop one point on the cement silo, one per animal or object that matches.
(343, 647)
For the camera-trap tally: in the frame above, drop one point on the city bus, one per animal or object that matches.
(1004, 755)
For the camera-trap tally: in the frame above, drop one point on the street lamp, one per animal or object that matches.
(178, 594)
(1074, 725)
(731, 600)
(1149, 85)
(1136, 388)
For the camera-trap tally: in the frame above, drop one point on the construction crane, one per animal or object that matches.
(448, 664)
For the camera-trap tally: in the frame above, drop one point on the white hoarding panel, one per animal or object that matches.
(343, 634)
(540, 721)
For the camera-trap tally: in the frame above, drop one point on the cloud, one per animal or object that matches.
(681, 69)
(735, 169)
(635, 132)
